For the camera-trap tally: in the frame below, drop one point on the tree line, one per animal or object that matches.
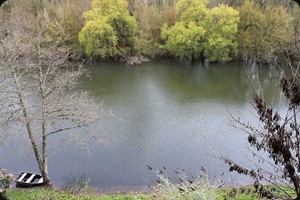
(191, 29)
(217, 30)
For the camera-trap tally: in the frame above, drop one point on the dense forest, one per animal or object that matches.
(217, 30)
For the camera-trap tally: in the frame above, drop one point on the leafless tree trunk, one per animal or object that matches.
(36, 89)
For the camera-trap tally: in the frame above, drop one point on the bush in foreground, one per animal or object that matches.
(5, 183)
(275, 140)
(198, 188)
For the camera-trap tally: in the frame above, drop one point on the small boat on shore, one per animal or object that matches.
(27, 180)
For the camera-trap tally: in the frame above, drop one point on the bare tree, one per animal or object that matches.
(36, 89)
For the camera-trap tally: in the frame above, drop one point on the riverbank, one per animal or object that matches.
(240, 193)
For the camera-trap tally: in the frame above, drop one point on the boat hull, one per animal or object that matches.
(29, 180)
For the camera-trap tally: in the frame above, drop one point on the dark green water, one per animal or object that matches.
(166, 114)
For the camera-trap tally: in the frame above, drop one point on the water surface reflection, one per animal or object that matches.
(166, 114)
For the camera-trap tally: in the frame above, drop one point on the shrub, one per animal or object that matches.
(5, 182)
(198, 188)
(275, 140)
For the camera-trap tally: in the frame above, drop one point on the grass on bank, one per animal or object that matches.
(198, 188)
(44, 194)
(240, 193)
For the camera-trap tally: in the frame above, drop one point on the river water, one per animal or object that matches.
(166, 114)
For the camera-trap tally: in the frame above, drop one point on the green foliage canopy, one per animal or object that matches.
(221, 43)
(109, 30)
(202, 31)
(183, 39)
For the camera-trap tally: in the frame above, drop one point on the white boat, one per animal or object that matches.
(27, 179)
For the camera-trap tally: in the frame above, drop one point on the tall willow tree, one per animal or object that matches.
(202, 32)
(185, 38)
(109, 31)
(221, 43)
